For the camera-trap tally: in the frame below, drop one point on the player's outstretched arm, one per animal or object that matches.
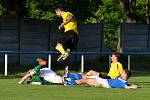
(31, 73)
(133, 86)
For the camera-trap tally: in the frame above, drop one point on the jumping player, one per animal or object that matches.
(70, 36)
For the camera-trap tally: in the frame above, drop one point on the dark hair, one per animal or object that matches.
(43, 58)
(59, 7)
(128, 73)
(116, 54)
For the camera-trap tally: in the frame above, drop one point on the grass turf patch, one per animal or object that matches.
(10, 90)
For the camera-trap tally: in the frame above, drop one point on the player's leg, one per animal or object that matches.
(26, 77)
(67, 74)
(91, 82)
(76, 82)
(73, 41)
(70, 82)
(92, 73)
(67, 53)
(74, 76)
(60, 48)
(69, 42)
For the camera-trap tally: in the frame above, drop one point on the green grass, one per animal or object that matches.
(10, 90)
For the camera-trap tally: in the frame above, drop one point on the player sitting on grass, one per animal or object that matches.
(42, 62)
(120, 82)
(46, 76)
(115, 70)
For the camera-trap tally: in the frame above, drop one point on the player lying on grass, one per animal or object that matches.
(42, 62)
(115, 70)
(120, 82)
(46, 76)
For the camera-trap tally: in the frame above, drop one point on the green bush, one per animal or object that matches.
(111, 14)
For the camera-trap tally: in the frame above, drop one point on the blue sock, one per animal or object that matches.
(71, 82)
(74, 76)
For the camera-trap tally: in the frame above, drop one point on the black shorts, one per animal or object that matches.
(69, 40)
(104, 76)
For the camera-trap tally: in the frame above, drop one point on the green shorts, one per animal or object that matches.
(38, 79)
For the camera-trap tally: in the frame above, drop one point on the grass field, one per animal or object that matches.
(10, 90)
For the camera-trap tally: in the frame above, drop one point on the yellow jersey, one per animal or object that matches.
(71, 25)
(115, 70)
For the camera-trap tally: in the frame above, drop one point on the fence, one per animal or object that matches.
(135, 37)
(34, 36)
(25, 34)
(82, 56)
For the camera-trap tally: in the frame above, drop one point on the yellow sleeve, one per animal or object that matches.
(71, 25)
(65, 16)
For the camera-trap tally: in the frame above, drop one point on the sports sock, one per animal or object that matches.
(60, 48)
(74, 76)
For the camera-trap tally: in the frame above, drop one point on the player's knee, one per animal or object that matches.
(91, 71)
(31, 73)
(59, 44)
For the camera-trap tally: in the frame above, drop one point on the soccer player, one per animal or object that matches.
(70, 36)
(46, 76)
(120, 82)
(115, 70)
(42, 62)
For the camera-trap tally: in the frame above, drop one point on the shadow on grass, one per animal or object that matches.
(9, 77)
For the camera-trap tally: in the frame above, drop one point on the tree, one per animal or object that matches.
(44, 9)
(136, 11)
(111, 14)
(40, 9)
(13, 7)
(1, 9)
